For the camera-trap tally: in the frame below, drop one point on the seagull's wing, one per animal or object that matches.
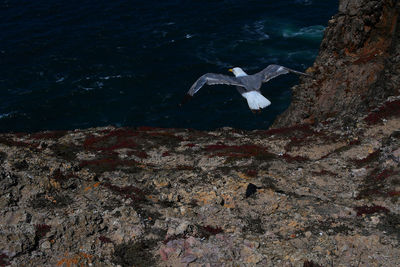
(273, 71)
(210, 79)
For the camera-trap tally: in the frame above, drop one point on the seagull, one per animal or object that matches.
(247, 85)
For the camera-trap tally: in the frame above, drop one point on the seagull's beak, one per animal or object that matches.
(231, 70)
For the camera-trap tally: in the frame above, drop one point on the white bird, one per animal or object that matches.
(247, 85)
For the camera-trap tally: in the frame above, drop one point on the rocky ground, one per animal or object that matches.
(321, 188)
(298, 196)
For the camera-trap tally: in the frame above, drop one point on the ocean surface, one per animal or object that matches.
(79, 64)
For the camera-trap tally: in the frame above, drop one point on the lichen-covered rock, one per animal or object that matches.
(306, 194)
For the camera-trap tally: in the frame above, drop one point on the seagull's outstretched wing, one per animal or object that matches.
(210, 79)
(273, 71)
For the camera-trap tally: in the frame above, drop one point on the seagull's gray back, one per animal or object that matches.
(250, 82)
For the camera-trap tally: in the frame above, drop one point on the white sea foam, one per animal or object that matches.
(110, 77)
(304, 2)
(6, 115)
(257, 30)
(301, 54)
(60, 80)
(100, 84)
(315, 31)
(86, 88)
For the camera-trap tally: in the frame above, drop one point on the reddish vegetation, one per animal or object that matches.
(11, 142)
(19, 134)
(377, 192)
(165, 134)
(107, 163)
(184, 168)
(242, 151)
(142, 155)
(42, 230)
(370, 210)
(104, 239)
(190, 145)
(165, 154)
(48, 135)
(299, 135)
(388, 109)
(371, 157)
(289, 158)
(310, 264)
(369, 192)
(393, 193)
(217, 147)
(208, 231)
(354, 142)
(295, 141)
(4, 260)
(366, 57)
(383, 175)
(139, 154)
(148, 128)
(116, 139)
(304, 128)
(128, 192)
(375, 187)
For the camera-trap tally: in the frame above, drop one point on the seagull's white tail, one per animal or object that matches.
(256, 100)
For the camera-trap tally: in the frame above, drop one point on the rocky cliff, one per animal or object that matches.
(320, 189)
(357, 68)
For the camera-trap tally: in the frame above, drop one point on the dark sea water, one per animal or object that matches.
(78, 64)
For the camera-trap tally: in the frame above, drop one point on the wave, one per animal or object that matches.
(301, 54)
(209, 53)
(304, 2)
(256, 30)
(7, 115)
(311, 32)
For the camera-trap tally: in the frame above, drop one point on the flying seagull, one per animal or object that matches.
(247, 85)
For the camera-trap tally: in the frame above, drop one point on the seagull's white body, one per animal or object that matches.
(255, 100)
(247, 85)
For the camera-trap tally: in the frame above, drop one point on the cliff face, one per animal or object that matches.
(358, 65)
(320, 193)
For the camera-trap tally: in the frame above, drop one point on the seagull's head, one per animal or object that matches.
(238, 72)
